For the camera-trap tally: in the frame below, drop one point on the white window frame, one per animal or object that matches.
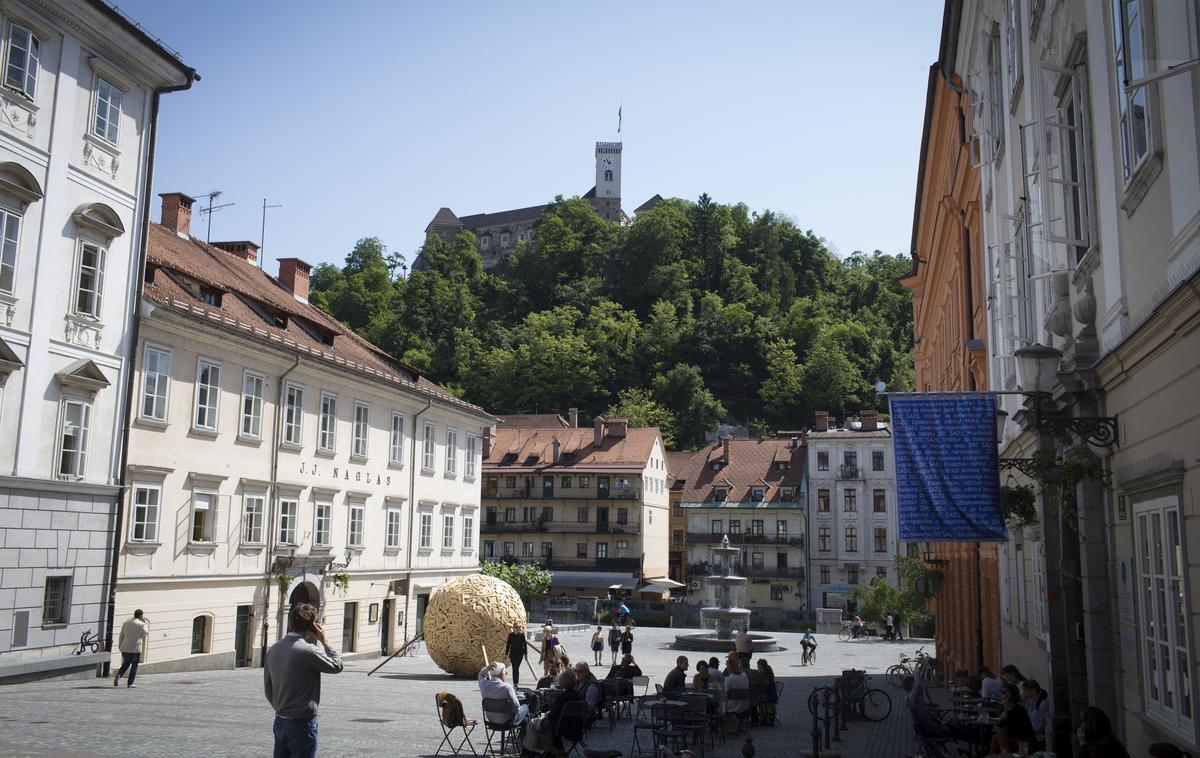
(448, 530)
(396, 440)
(356, 522)
(427, 447)
(426, 530)
(29, 70)
(392, 528)
(1022, 590)
(327, 423)
(254, 506)
(106, 112)
(293, 415)
(1064, 126)
(212, 396)
(1014, 48)
(1131, 71)
(156, 383)
(472, 451)
(322, 521)
(78, 467)
(250, 423)
(204, 507)
(144, 516)
(289, 520)
(93, 293)
(10, 247)
(1164, 624)
(362, 429)
(468, 530)
(451, 452)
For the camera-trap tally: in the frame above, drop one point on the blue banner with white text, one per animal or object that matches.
(947, 483)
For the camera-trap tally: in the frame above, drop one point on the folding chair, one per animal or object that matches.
(570, 726)
(467, 726)
(506, 728)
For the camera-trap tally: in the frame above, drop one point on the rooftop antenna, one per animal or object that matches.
(212, 209)
(262, 240)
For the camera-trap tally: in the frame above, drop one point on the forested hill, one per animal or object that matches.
(694, 313)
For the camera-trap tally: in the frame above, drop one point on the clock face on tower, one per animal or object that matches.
(608, 162)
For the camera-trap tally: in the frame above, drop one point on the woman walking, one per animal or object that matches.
(598, 645)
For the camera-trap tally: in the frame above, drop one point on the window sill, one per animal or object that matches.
(321, 550)
(396, 464)
(391, 551)
(55, 625)
(468, 478)
(356, 458)
(150, 423)
(202, 547)
(101, 143)
(293, 446)
(321, 452)
(424, 551)
(1139, 184)
(426, 471)
(245, 439)
(449, 475)
(142, 547)
(210, 434)
(250, 548)
(356, 549)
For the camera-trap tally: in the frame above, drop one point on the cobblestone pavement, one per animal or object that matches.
(223, 713)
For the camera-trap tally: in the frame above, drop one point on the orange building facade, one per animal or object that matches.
(948, 282)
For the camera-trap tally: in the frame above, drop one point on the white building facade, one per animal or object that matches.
(854, 533)
(78, 97)
(278, 458)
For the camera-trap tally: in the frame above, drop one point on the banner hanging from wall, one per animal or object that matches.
(947, 480)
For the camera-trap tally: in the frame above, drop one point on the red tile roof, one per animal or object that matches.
(255, 305)
(533, 450)
(533, 421)
(752, 463)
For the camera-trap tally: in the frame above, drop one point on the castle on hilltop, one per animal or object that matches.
(497, 234)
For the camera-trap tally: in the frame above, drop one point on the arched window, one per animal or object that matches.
(201, 634)
(608, 175)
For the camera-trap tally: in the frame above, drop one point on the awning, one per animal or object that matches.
(668, 583)
(593, 580)
(654, 588)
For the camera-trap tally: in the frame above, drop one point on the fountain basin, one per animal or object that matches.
(709, 642)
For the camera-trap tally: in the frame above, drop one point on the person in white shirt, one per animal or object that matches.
(131, 642)
(888, 623)
(492, 686)
(990, 688)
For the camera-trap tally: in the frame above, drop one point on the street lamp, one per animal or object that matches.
(1037, 372)
(1037, 368)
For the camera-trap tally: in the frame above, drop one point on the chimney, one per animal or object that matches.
(598, 436)
(556, 447)
(795, 441)
(868, 420)
(618, 427)
(725, 449)
(822, 423)
(177, 212)
(244, 249)
(573, 415)
(489, 439)
(293, 275)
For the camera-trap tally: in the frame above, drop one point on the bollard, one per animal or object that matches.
(830, 733)
(816, 724)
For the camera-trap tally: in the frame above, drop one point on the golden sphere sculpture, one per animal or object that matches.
(467, 614)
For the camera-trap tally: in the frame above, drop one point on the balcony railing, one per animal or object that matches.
(560, 527)
(750, 572)
(849, 472)
(616, 565)
(741, 538)
(538, 493)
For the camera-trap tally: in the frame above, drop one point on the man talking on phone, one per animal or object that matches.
(292, 682)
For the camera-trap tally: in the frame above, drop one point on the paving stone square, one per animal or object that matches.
(224, 713)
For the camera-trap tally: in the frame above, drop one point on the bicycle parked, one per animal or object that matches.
(919, 664)
(870, 703)
(847, 632)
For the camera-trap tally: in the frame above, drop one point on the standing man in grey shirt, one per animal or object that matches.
(292, 682)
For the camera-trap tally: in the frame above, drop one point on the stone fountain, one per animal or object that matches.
(726, 616)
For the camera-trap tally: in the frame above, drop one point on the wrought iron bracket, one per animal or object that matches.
(1096, 430)
(1027, 466)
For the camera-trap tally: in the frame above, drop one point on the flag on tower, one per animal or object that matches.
(619, 107)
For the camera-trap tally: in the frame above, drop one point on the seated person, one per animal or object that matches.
(551, 677)
(589, 687)
(989, 687)
(714, 670)
(627, 669)
(1014, 726)
(703, 680)
(1037, 705)
(925, 722)
(492, 685)
(677, 679)
(768, 675)
(1096, 739)
(545, 737)
(735, 679)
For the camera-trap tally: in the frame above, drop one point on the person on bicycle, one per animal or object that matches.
(622, 614)
(856, 626)
(809, 644)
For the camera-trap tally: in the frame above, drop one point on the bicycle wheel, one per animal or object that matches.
(844, 635)
(814, 698)
(875, 705)
(896, 673)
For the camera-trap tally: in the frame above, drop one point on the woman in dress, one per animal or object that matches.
(547, 652)
(598, 644)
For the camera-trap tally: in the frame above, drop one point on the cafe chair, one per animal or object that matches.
(510, 737)
(456, 721)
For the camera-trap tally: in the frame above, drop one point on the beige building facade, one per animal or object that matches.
(278, 458)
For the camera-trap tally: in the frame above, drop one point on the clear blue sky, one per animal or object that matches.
(363, 118)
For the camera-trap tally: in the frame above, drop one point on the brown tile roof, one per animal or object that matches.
(255, 305)
(533, 450)
(533, 421)
(484, 220)
(853, 433)
(752, 463)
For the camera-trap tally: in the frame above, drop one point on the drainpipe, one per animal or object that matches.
(278, 429)
(412, 509)
(131, 364)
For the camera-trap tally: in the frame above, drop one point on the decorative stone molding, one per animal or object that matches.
(100, 156)
(83, 331)
(8, 309)
(18, 112)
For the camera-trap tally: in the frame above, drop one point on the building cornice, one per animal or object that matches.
(56, 485)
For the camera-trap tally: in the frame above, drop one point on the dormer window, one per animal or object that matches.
(720, 493)
(211, 296)
(715, 466)
(281, 321)
(781, 466)
(788, 494)
(756, 494)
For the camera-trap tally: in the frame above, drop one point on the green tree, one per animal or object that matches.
(639, 406)
(918, 585)
(681, 391)
(529, 579)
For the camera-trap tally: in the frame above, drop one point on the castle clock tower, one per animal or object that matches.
(608, 180)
